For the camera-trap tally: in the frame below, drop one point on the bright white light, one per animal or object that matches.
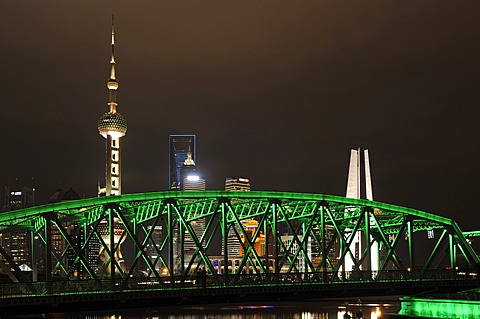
(376, 314)
(116, 134)
(193, 178)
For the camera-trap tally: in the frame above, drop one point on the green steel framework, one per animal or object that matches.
(313, 220)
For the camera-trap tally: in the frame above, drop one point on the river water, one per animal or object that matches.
(276, 310)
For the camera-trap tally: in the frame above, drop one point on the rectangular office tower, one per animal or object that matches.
(233, 243)
(237, 184)
(179, 146)
(17, 243)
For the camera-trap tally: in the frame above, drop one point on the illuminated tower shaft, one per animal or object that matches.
(112, 126)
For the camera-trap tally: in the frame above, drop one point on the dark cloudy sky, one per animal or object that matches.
(278, 91)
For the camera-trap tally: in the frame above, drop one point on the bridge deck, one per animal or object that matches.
(181, 293)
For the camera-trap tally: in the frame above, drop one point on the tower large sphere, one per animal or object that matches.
(113, 124)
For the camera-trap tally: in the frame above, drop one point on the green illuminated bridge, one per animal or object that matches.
(141, 248)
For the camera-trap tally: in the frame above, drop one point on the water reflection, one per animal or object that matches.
(373, 311)
(279, 310)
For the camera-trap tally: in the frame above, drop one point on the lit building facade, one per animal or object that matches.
(179, 147)
(18, 198)
(17, 244)
(354, 190)
(233, 243)
(154, 246)
(190, 176)
(59, 243)
(191, 181)
(289, 241)
(237, 184)
(250, 227)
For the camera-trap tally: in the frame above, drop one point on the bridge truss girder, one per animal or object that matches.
(320, 232)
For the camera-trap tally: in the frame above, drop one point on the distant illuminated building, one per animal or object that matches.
(154, 246)
(17, 243)
(300, 262)
(250, 228)
(191, 181)
(18, 198)
(354, 191)
(179, 147)
(237, 184)
(316, 249)
(74, 229)
(233, 243)
(190, 176)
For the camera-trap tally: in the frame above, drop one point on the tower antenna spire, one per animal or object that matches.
(112, 59)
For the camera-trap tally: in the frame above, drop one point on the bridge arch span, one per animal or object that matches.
(240, 238)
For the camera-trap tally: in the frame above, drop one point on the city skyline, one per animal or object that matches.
(276, 92)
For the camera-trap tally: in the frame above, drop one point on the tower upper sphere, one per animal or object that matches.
(113, 124)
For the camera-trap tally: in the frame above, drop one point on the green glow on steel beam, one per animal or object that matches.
(96, 201)
(440, 308)
(474, 233)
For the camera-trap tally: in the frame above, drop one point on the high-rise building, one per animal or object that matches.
(179, 147)
(112, 126)
(190, 176)
(191, 181)
(233, 243)
(154, 246)
(300, 262)
(237, 184)
(18, 198)
(16, 243)
(250, 228)
(354, 190)
(74, 229)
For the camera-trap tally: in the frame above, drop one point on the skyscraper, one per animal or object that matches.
(154, 246)
(237, 184)
(354, 190)
(74, 229)
(18, 198)
(190, 176)
(354, 175)
(191, 181)
(233, 243)
(289, 241)
(179, 147)
(112, 126)
(17, 242)
(250, 228)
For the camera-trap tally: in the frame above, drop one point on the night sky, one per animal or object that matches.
(277, 91)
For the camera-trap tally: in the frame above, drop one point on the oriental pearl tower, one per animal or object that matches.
(112, 126)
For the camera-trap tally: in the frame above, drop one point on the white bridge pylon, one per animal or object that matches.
(354, 190)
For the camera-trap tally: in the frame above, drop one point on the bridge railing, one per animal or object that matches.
(57, 287)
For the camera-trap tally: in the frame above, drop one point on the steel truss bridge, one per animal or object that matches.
(113, 248)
